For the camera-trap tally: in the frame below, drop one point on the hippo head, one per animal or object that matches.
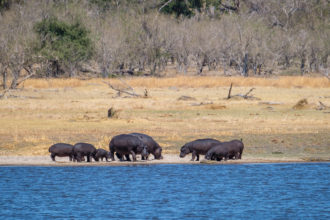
(158, 153)
(144, 152)
(94, 155)
(184, 151)
(208, 156)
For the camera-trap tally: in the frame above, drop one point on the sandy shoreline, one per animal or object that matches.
(168, 159)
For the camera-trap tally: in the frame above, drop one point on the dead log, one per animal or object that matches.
(245, 96)
(229, 92)
(132, 93)
(322, 106)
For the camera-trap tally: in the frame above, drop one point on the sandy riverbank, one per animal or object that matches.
(168, 159)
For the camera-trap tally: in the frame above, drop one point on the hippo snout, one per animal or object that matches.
(144, 152)
(182, 154)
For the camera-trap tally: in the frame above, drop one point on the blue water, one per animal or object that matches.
(253, 191)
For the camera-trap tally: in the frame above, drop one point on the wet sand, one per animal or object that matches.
(168, 159)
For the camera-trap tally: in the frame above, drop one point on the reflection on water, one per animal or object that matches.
(255, 191)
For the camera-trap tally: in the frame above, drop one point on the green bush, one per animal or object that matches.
(68, 44)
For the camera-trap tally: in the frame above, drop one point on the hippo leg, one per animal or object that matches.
(197, 155)
(70, 158)
(127, 157)
(112, 155)
(88, 158)
(193, 156)
(133, 155)
(78, 157)
(52, 156)
(119, 156)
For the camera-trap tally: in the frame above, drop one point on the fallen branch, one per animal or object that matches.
(245, 96)
(229, 92)
(322, 106)
(270, 103)
(16, 84)
(122, 90)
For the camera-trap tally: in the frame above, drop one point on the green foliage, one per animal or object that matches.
(188, 7)
(185, 8)
(63, 42)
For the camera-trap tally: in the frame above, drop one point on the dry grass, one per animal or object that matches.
(51, 111)
(188, 82)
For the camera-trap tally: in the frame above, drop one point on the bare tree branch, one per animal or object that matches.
(168, 2)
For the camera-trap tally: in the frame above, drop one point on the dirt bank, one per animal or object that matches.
(168, 159)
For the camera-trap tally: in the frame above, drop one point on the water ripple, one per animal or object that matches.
(255, 191)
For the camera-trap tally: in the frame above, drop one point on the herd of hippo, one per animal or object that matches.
(124, 145)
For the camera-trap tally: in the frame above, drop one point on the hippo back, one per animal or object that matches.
(84, 148)
(153, 146)
(125, 143)
(61, 149)
(101, 153)
(219, 150)
(202, 146)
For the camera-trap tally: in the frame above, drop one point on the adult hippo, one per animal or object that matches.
(227, 150)
(126, 144)
(153, 146)
(81, 150)
(101, 153)
(197, 147)
(61, 150)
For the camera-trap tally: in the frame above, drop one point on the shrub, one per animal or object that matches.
(63, 43)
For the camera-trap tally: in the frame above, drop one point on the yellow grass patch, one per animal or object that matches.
(187, 81)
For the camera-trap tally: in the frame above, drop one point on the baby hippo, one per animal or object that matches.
(101, 153)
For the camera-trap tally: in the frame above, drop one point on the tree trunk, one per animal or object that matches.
(302, 65)
(245, 65)
(13, 84)
(4, 79)
(72, 71)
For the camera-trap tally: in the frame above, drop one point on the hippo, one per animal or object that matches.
(153, 146)
(84, 149)
(197, 147)
(61, 150)
(218, 152)
(227, 150)
(101, 153)
(125, 144)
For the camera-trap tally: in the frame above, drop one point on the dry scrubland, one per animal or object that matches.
(43, 112)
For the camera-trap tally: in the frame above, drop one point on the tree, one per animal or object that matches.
(15, 45)
(68, 44)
